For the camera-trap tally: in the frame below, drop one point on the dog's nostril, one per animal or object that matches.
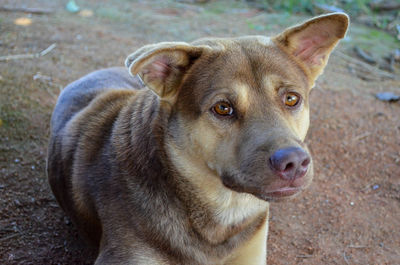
(306, 162)
(289, 166)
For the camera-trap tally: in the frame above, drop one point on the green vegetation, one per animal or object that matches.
(220, 7)
(353, 7)
(113, 14)
(366, 38)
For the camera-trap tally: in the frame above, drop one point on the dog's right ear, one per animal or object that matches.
(311, 42)
(162, 66)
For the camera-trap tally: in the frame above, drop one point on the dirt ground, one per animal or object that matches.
(349, 215)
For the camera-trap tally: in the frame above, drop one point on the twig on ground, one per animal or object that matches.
(304, 256)
(345, 258)
(355, 246)
(32, 10)
(365, 66)
(9, 237)
(363, 55)
(28, 55)
(359, 137)
(384, 6)
(49, 49)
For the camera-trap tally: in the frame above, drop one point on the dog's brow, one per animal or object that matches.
(242, 92)
(275, 82)
(214, 92)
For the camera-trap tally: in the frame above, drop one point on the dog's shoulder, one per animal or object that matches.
(80, 93)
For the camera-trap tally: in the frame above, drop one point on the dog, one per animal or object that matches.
(176, 159)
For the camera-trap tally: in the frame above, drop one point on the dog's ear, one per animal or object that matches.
(162, 66)
(312, 42)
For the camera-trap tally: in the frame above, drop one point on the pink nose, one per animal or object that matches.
(290, 163)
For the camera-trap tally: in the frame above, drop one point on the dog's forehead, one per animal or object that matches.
(254, 62)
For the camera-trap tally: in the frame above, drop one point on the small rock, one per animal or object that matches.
(327, 8)
(380, 114)
(67, 221)
(11, 257)
(207, 31)
(17, 203)
(387, 96)
(72, 7)
(396, 55)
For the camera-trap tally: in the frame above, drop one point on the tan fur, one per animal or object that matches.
(254, 251)
(153, 173)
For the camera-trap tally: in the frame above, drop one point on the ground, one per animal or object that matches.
(349, 215)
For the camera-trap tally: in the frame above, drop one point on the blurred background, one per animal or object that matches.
(351, 212)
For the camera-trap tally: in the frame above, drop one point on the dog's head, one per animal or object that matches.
(239, 107)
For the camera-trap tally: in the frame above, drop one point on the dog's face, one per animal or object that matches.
(239, 108)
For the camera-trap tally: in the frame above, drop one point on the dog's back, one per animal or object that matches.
(75, 100)
(80, 93)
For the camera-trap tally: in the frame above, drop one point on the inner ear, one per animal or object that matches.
(312, 42)
(163, 66)
(312, 49)
(163, 72)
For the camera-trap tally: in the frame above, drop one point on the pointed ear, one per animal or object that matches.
(312, 42)
(162, 66)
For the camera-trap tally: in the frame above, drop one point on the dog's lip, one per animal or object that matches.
(283, 192)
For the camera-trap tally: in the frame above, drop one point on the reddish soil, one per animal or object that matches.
(349, 215)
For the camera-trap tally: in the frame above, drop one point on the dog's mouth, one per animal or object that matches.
(275, 191)
(283, 192)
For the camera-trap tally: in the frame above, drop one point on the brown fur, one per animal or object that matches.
(152, 175)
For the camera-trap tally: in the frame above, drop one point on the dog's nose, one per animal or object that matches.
(290, 163)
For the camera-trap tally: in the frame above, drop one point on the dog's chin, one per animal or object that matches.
(280, 195)
(270, 193)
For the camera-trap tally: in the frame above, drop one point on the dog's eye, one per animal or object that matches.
(223, 108)
(291, 99)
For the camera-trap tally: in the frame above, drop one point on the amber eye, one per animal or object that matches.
(291, 99)
(223, 108)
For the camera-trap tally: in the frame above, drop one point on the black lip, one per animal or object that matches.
(284, 192)
(279, 195)
(287, 190)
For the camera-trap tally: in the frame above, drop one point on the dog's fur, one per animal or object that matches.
(151, 174)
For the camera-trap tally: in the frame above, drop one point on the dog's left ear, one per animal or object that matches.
(312, 42)
(162, 66)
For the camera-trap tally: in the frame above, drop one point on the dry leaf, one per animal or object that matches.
(23, 21)
(86, 13)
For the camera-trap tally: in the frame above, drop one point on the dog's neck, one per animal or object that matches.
(222, 212)
(218, 219)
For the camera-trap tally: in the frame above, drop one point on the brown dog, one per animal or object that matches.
(181, 170)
